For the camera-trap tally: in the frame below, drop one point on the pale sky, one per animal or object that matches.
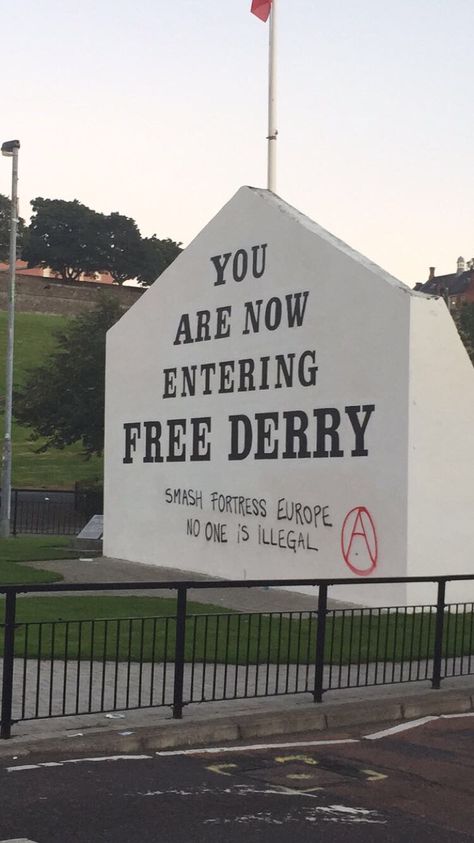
(157, 109)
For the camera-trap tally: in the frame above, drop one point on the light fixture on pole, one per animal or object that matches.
(10, 149)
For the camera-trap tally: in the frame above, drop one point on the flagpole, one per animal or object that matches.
(272, 116)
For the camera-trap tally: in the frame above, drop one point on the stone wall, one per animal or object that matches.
(46, 295)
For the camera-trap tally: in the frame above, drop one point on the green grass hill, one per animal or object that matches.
(34, 340)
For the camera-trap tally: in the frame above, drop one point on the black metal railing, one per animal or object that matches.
(47, 512)
(58, 667)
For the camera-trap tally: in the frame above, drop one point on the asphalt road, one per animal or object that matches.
(411, 785)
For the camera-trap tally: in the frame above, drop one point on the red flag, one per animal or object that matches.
(261, 8)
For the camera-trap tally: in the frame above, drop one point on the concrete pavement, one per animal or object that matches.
(106, 569)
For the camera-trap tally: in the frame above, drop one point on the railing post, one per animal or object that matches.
(8, 664)
(179, 653)
(439, 628)
(320, 641)
(15, 511)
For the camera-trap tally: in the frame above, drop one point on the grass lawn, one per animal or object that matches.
(20, 549)
(55, 469)
(144, 628)
(34, 340)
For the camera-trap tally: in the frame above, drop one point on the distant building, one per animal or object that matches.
(456, 287)
(46, 272)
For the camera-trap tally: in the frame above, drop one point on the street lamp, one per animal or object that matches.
(9, 149)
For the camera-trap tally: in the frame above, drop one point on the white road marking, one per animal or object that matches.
(18, 840)
(452, 716)
(217, 750)
(234, 790)
(344, 813)
(401, 727)
(314, 814)
(243, 790)
(22, 767)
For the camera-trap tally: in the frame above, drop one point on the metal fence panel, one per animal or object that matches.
(63, 667)
(46, 512)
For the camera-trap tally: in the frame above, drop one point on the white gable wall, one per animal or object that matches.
(357, 320)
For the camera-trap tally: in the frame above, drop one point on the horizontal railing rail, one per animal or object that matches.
(173, 585)
(177, 656)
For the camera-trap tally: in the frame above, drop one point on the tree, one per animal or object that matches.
(73, 240)
(156, 256)
(5, 221)
(63, 398)
(64, 236)
(464, 319)
(121, 247)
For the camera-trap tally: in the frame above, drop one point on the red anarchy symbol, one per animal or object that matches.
(359, 541)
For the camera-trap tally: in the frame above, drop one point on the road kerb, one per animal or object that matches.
(220, 729)
(443, 705)
(264, 725)
(367, 712)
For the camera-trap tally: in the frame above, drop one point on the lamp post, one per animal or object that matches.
(10, 149)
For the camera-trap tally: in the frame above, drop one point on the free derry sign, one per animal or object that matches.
(278, 406)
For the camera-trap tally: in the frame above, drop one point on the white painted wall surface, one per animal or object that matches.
(357, 320)
(441, 451)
